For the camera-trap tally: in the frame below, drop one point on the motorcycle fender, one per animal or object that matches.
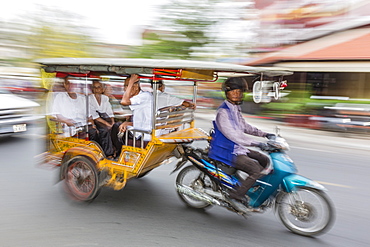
(294, 181)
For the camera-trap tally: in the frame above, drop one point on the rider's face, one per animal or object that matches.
(234, 96)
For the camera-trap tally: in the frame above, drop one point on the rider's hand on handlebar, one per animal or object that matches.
(270, 136)
(263, 146)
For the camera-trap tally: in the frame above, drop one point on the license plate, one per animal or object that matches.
(19, 127)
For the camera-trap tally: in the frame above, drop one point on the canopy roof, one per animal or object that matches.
(126, 66)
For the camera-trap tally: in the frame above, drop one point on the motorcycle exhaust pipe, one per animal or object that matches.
(196, 195)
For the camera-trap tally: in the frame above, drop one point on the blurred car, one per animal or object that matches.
(16, 113)
(27, 92)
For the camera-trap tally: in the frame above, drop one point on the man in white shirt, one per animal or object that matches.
(69, 108)
(165, 99)
(140, 102)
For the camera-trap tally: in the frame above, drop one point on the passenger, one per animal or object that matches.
(118, 109)
(101, 109)
(165, 99)
(69, 108)
(172, 102)
(229, 143)
(140, 103)
(103, 117)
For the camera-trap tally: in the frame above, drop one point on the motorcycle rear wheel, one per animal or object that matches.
(195, 179)
(306, 212)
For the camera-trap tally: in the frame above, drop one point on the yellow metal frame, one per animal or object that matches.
(132, 162)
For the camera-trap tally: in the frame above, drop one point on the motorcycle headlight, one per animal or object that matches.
(279, 143)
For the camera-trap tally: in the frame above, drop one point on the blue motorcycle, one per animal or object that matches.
(301, 204)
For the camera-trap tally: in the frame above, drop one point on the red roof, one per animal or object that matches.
(347, 45)
(358, 48)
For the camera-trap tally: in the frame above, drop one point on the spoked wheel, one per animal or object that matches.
(195, 180)
(306, 212)
(81, 179)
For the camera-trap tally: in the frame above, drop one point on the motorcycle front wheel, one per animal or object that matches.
(307, 211)
(193, 179)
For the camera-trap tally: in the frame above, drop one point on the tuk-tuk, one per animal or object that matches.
(83, 165)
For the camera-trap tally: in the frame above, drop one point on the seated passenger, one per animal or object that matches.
(165, 99)
(69, 108)
(102, 115)
(140, 103)
(172, 102)
(118, 109)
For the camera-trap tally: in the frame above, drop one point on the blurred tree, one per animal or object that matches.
(182, 28)
(196, 28)
(55, 33)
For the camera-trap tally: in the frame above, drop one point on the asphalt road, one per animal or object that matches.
(35, 212)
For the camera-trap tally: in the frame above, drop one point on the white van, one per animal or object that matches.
(16, 113)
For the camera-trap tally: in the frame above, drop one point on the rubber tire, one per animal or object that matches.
(328, 216)
(81, 189)
(188, 200)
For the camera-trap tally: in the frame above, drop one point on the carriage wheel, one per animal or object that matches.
(81, 179)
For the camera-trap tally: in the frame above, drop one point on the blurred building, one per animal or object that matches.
(325, 43)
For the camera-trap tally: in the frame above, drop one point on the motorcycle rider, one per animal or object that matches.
(230, 143)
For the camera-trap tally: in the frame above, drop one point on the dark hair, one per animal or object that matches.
(136, 82)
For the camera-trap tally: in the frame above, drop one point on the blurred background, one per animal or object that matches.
(325, 44)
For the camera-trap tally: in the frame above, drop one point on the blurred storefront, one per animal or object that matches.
(326, 45)
(335, 65)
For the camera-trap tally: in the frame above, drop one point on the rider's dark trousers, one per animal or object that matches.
(252, 163)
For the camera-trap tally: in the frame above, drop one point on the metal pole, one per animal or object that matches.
(195, 93)
(154, 110)
(87, 110)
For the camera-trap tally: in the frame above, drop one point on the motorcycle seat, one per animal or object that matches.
(225, 168)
